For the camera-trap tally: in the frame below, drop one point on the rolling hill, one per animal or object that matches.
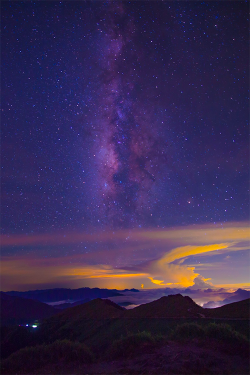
(82, 321)
(95, 309)
(17, 310)
(234, 310)
(173, 306)
(99, 322)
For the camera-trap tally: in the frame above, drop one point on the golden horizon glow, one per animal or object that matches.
(173, 247)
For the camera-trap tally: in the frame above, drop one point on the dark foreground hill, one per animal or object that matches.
(171, 335)
(100, 321)
(234, 310)
(81, 322)
(149, 358)
(93, 315)
(16, 310)
(95, 309)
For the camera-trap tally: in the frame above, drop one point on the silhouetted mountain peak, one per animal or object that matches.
(95, 309)
(174, 305)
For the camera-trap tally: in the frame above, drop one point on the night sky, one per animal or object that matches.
(124, 139)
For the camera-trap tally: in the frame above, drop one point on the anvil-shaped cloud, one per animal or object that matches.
(164, 272)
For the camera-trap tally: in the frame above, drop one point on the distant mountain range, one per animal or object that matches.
(64, 294)
(17, 310)
(62, 298)
(25, 307)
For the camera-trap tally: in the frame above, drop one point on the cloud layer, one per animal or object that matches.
(126, 259)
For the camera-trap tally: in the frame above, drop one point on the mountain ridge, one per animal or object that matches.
(172, 306)
(18, 310)
(65, 294)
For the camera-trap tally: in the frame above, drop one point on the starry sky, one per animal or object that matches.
(125, 152)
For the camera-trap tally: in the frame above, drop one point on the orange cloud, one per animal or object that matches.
(185, 251)
(23, 271)
(171, 245)
(171, 274)
(159, 282)
(178, 273)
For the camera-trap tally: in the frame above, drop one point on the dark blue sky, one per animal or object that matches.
(123, 114)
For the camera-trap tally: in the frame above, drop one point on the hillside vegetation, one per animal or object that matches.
(100, 332)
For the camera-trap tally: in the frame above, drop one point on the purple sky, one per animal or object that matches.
(125, 153)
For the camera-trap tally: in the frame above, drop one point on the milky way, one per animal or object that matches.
(124, 114)
(125, 149)
(128, 150)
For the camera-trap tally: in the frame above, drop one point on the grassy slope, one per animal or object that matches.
(100, 322)
(16, 310)
(235, 310)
